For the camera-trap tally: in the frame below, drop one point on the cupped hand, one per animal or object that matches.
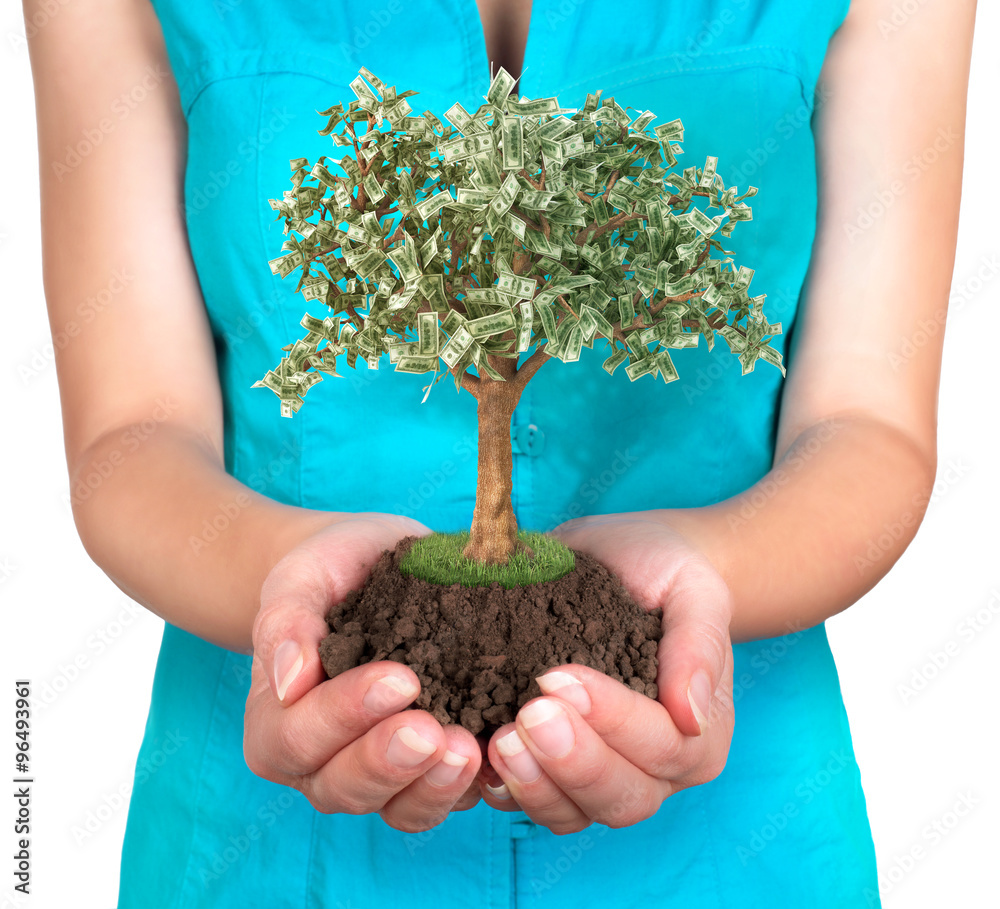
(343, 742)
(592, 749)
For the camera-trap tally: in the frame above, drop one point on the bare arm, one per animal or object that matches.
(856, 450)
(143, 437)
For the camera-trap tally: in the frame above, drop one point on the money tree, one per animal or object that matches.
(482, 247)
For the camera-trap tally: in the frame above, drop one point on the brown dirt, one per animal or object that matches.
(477, 650)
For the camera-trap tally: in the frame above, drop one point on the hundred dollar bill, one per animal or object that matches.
(524, 333)
(432, 287)
(453, 351)
(513, 143)
(641, 368)
(672, 131)
(365, 95)
(574, 145)
(512, 284)
(474, 196)
(373, 189)
(402, 300)
(504, 199)
(459, 149)
(427, 334)
(743, 277)
(700, 221)
(416, 364)
(615, 360)
(708, 173)
(500, 87)
(428, 206)
(539, 106)
(643, 120)
(458, 117)
(494, 324)
(405, 259)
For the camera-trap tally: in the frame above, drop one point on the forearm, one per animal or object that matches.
(159, 514)
(819, 530)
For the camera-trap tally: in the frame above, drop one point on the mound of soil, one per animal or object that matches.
(477, 650)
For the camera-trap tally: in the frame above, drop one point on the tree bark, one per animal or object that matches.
(494, 528)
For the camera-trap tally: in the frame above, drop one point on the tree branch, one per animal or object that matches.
(529, 367)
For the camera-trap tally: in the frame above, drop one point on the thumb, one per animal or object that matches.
(299, 591)
(288, 630)
(695, 651)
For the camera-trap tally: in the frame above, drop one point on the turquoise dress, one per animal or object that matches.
(785, 823)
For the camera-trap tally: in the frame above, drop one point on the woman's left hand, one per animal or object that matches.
(594, 750)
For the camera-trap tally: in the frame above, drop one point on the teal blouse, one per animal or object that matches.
(785, 823)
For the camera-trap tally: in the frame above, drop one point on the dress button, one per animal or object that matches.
(527, 440)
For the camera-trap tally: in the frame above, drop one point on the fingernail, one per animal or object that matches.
(407, 748)
(516, 756)
(549, 727)
(499, 792)
(447, 770)
(389, 694)
(700, 697)
(567, 687)
(288, 661)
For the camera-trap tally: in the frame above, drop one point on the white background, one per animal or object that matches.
(925, 733)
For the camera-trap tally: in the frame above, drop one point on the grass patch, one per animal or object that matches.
(438, 558)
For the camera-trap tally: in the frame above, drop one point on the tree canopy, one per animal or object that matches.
(456, 245)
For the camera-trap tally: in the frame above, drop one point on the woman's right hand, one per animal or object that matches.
(343, 742)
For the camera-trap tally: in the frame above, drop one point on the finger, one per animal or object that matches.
(302, 737)
(300, 589)
(695, 652)
(493, 790)
(634, 725)
(363, 776)
(536, 793)
(430, 798)
(604, 785)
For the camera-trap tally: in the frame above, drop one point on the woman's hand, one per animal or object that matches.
(594, 749)
(343, 741)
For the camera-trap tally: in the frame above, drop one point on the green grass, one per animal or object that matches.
(438, 558)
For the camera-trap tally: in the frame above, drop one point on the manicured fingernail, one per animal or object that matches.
(407, 748)
(516, 756)
(288, 661)
(700, 697)
(447, 770)
(389, 694)
(499, 792)
(563, 685)
(549, 727)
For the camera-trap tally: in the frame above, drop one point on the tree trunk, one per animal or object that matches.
(494, 527)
